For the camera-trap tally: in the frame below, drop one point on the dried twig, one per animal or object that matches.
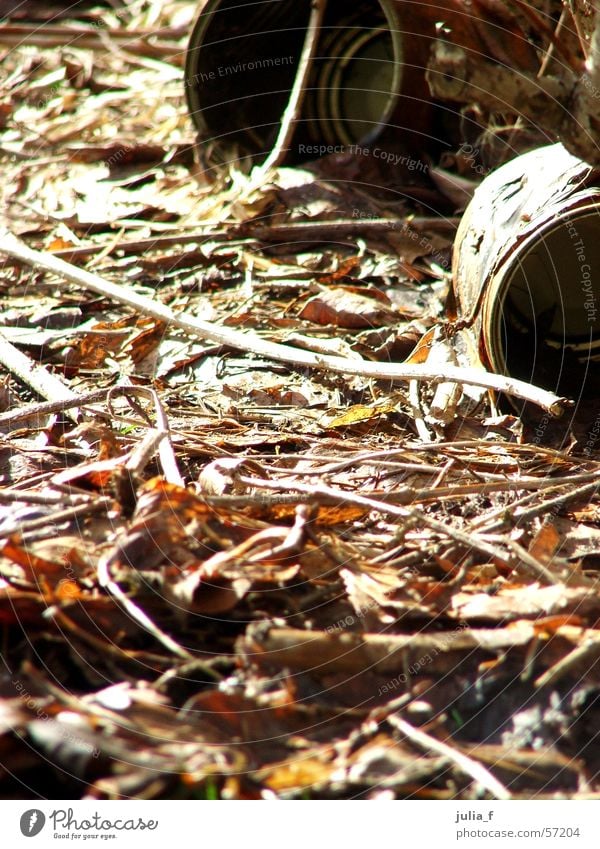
(105, 580)
(342, 496)
(36, 376)
(8, 496)
(587, 653)
(49, 523)
(258, 231)
(252, 343)
(532, 565)
(545, 508)
(292, 110)
(145, 42)
(158, 439)
(467, 765)
(306, 231)
(384, 654)
(32, 410)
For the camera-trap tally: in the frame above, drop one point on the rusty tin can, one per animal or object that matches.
(526, 270)
(243, 57)
(368, 73)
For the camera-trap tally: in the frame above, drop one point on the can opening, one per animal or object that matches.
(548, 330)
(242, 61)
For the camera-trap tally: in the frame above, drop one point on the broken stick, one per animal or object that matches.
(254, 344)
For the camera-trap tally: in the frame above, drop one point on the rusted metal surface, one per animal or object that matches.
(243, 58)
(525, 266)
(369, 75)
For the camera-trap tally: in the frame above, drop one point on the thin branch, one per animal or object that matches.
(258, 231)
(252, 343)
(467, 765)
(60, 406)
(36, 376)
(48, 523)
(340, 496)
(160, 43)
(106, 581)
(585, 656)
(298, 92)
(156, 440)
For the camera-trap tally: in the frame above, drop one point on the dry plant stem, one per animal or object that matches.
(533, 566)
(498, 516)
(252, 343)
(112, 650)
(47, 524)
(583, 654)
(144, 451)
(467, 765)
(37, 377)
(142, 42)
(105, 580)
(159, 439)
(10, 495)
(543, 29)
(306, 231)
(405, 495)
(559, 500)
(255, 232)
(75, 703)
(321, 652)
(341, 496)
(297, 94)
(578, 28)
(555, 41)
(34, 410)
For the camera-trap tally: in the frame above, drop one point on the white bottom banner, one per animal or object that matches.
(298, 825)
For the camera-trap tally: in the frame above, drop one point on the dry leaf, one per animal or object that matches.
(342, 308)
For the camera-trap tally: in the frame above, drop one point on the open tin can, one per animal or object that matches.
(368, 73)
(243, 58)
(526, 271)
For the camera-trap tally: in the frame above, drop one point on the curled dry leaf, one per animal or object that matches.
(349, 309)
(221, 477)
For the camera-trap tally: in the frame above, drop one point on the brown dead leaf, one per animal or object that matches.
(368, 596)
(422, 350)
(35, 567)
(146, 342)
(345, 268)
(300, 773)
(342, 308)
(546, 543)
(358, 414)
(96, 475)
(91, 350)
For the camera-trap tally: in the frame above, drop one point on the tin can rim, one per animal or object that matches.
(501, 277)
(203, 22)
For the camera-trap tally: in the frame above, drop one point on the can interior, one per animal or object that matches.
(546, 310)
(242, 61)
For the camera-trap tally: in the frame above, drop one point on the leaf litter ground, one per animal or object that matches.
(224, 577)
